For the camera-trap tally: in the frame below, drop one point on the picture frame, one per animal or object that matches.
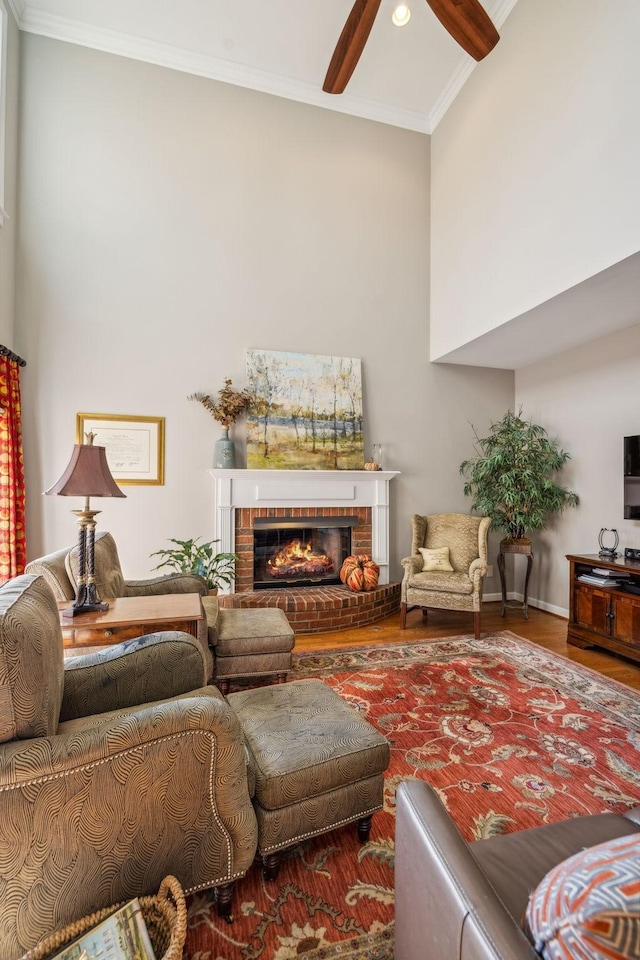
(134, 445)
(306, 412)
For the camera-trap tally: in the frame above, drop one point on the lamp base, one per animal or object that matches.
(76, 610)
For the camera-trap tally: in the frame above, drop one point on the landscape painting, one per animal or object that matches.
(306, 412)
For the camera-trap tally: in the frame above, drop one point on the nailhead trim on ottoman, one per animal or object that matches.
(260, 665)
(317, 763)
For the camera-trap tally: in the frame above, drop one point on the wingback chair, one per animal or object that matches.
(116, 769)
(449, 578)
(60, 570)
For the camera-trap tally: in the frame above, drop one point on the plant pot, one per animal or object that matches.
(515, 545)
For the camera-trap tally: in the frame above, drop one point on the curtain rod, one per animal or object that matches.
(5, 352)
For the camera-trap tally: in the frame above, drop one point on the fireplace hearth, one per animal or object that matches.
(300, 551)
(244, 496)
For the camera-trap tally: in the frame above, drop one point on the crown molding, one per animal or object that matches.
(17, 9)
(498, 13)
(186, 61)
(32, 20)
(458, 79)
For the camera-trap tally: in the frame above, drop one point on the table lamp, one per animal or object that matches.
(87, 475)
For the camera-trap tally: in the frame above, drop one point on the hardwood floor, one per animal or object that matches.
(543, 628)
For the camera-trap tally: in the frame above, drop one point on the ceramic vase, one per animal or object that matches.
(224, 454)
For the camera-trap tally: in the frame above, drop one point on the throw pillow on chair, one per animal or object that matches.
(436, 559)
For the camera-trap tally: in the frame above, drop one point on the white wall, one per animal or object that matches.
(170, 222)
(535, 167)
(589, 399)
(9, 229)
(534, 190)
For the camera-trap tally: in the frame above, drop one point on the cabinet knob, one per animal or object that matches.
(108, 633)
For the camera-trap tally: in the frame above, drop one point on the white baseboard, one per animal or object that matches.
(533, 602)
(491, 597)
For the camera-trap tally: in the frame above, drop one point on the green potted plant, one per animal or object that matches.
(189, 556)
(511, 478)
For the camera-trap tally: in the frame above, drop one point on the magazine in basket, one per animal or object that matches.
(123, 935)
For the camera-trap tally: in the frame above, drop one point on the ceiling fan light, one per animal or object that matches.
(401, 15)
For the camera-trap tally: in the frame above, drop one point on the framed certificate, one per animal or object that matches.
(134, 445)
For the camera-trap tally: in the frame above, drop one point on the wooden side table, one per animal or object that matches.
(129, 617)
(526, 550)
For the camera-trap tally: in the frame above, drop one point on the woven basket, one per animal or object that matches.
(165, 916)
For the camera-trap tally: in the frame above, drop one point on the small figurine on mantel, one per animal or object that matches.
(375, 463)
(226, 410)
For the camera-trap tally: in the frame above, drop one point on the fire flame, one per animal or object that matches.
(298, 559)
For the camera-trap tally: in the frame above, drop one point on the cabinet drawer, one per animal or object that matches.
(106, 636)
(102, 636)
(184, 626)
(591, 608)
(626, 619)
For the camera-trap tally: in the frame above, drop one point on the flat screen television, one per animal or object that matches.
(632, 478)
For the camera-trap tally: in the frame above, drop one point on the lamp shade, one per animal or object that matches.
(87, 475)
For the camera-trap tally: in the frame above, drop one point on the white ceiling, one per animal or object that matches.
(406, 76)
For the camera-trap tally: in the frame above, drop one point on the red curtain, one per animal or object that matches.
(13, 547)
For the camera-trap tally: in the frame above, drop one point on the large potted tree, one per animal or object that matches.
(511, 479)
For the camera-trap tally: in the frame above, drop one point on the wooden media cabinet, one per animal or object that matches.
(604, 615)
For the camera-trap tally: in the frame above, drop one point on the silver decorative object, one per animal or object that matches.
(611, 551)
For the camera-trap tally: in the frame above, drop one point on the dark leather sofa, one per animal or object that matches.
(466, 901)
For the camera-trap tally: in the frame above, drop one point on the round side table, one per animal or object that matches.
(526, 550)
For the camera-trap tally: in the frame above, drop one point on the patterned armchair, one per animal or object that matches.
(116, 769)
(60, 570)
(454, 578)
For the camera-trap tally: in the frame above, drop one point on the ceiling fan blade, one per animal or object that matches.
(350, 45)
(469, 25)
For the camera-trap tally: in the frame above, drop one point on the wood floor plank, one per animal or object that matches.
(543, 628)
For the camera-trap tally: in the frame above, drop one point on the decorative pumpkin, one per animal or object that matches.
(360, 573)
(371, 572)
(355, 579)
(349, 564)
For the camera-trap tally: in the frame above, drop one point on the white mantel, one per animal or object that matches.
(305, 488)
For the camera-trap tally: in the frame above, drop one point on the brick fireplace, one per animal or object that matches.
(247, 518)
(243, 497)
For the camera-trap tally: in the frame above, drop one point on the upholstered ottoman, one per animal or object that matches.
(253, 642)
(317, 764)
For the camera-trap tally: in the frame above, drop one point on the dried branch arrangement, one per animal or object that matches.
(229, 405)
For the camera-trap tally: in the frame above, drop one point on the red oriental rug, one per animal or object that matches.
(509, 734)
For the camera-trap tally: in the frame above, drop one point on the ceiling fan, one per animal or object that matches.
(466, 21)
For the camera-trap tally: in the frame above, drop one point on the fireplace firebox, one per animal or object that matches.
(300, 551)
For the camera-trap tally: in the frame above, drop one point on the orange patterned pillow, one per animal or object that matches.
(589, 905)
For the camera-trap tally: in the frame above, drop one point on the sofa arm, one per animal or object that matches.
(446, 909)
(155, 667)
(211, 608)
(102, 813)
(173, 583)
